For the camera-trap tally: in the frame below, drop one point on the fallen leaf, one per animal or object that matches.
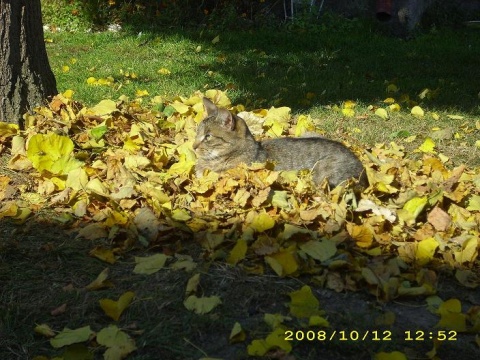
(114, 309)
(68, 337)
(149, 264)
(202, 305)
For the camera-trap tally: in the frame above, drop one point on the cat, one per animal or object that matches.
(223, 141)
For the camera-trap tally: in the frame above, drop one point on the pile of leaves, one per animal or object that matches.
(122, 174)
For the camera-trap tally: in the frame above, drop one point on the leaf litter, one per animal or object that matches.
(123, 173)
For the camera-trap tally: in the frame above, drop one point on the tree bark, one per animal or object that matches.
(26, 79)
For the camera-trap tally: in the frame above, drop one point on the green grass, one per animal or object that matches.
(267, 67)
(308, 71)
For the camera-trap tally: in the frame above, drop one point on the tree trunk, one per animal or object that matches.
(26, 79)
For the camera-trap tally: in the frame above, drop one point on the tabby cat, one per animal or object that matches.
(223, 141)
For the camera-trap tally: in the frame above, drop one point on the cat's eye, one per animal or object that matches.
(207, 137)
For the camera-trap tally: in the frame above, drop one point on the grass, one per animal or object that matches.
(309, 71)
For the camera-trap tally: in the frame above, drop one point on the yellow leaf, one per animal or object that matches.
(320, 250)
(180, 107)
(96, 186)
(382, 113)
(469, 250)
(474, 203)
(77, 179)
(394, 107)
(114, 309)
(216, 39)
(412, 208)
(7, 129)
(91, 80)
(276, 339)
(394, 355)
(53, 153)
(45, 330)
(181, 215)
(389, 100)
(349, 104)
(303, 303)
(428, 146)
(348, 112)
(68, 337)
(304, 124)
(316, 320)
(103, 254)
(381, 181)
(119, 344)
(192, 284)
(68, 94)
(392, 88)
(280, 200)
(184, 262)
(164, 71)
(141, 93)
(65, 68)
(417, 111)
(363, 235)
(104, 107)
(262, 222)
(237, 334)
(100, 282)
(426, 250)
(451, 316)
(150, 264)
(258, 348)
(202, 305)
(283, 262)
(238, 252)
(219, 97)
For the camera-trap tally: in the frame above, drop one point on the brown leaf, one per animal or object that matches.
(335, 282)
(439, 219)
(59, 310)
(453, 179)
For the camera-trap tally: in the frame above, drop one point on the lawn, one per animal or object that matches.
(388, 286)
(312, 72)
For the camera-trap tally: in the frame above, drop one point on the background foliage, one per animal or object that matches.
(73, 14)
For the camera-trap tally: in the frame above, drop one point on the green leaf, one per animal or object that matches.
(98, 132)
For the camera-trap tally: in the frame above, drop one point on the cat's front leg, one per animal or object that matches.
(199, 169)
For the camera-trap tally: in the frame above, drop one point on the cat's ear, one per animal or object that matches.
(210, 107)
(226, 119)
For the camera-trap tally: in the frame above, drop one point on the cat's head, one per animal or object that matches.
(220, 132)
